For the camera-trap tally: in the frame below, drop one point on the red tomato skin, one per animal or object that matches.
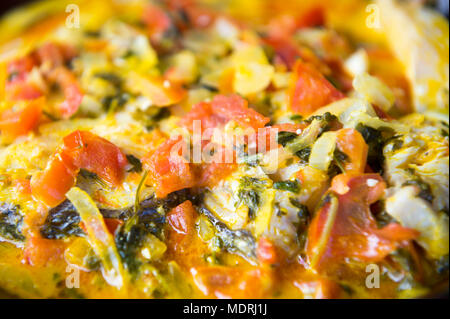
(310, 90)
(233, 107)
(21, 66)
(73, 94)
(55, 54)
(352, 143)
(95, 154)
(20, 89)
(168, 170)
(314, 17)
(183, 243)
(156, 20)
(182, 219)
(80, 149)
(14, 124)
(354, 230)
(223, 109)
(113, 224)
(51, 185)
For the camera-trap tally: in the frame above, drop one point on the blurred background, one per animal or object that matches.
(441, 5)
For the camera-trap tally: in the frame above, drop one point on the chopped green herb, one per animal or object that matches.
(285, 137)
(110, 77)
(11, 223)
(291, 186)
(249, 194)
(62, 221)
(135, 162)
(94, 177)
(374, 140)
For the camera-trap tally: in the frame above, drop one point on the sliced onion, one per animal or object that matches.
(322, 151)
(99, 237)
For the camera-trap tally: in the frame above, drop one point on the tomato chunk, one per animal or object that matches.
(51, 185)
(310, 90)
(344, 227)
(313, 17)
(235, 108)
(183, 243)
(223, 109)
(53, 56)
(80, 149)
(156, 20)
(351, 143)
(168, 170)
(96, 154)
(72, 91)
(18, 87)
(16, 123)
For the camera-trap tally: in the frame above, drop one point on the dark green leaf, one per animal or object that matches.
(291, 186)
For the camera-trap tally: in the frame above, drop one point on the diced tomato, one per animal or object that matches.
(286, 25)
(54, 54)
(236, 108)
(183, 243)
(73, 98)
(21, 89)
(96, 154)
(382, 114)
(16, 123)
(51, 185)
(310, 90)
(72, 92)
(80, 149)
(223, 109)
(156, 20)
(161, 91)
(266, 251)
(351, 143)
(182, 219)
(18, 68)
(314, 17)
(204, 113)
(168, 170)
(343, 227)
(112, 224)
(233, 282)
(18, 87)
